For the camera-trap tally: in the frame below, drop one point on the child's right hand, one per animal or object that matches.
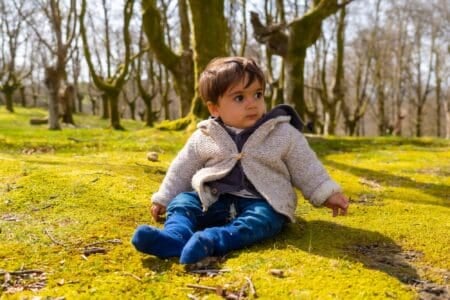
(156, 210)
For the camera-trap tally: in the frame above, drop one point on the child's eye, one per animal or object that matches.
(258, 95)
(239, 98)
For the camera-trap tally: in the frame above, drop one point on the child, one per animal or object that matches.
(231, 184)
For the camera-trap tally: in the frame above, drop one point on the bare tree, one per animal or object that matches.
(112, 85)
(181, 65)
(11, 27)
(423, 64)
(292, 46)
(147, 91)
(63, 24)
(357, 98)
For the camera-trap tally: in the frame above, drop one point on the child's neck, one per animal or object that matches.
(234, 129)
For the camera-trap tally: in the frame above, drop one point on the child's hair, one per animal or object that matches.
(223, 72)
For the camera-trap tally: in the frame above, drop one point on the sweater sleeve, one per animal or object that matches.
(179, 175)
(307, 172)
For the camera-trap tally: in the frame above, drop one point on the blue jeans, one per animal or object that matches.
(193, 234)
(255, 219)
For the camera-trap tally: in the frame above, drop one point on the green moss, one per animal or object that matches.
(61, 191)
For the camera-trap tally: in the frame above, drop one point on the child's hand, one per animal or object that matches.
(338, 203)
(156, 210)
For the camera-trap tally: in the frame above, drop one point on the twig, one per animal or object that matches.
(252, 287)
(94, 250)
(113, 241)
(74, 139)
(42, 208)
(21, 272)
(52, 238)
(209, 271)
(242, 290)
(202, 287)
(132, 275)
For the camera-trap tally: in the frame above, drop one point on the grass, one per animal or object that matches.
(63, 191)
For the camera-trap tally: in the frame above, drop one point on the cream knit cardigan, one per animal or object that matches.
(275, 158)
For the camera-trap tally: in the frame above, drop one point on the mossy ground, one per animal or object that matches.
(61, 191)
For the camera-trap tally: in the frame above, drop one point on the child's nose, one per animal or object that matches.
(251, 100)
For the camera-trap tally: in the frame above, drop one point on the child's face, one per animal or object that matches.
(240, 106)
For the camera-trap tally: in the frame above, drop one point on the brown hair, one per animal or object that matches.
(223, 72)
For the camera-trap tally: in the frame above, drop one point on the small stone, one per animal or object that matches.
(152, 156)
(277, 272)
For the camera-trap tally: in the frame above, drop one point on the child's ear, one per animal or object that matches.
(212, 108)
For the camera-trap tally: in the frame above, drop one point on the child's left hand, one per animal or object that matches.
(338, 203)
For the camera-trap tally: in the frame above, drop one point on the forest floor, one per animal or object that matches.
(71, 199)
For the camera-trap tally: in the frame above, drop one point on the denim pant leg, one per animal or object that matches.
(187, 204)
(256, 220)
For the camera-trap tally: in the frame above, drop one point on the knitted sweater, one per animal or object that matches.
(275, 158)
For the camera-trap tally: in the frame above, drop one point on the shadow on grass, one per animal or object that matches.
(325, 146)
(372, 249)
(327, 239)
(437, 190)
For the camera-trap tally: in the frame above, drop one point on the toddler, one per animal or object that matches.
(232, 183)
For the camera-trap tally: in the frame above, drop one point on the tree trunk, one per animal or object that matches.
(303, 32)
(105, 106)
(113, 97)
(339, 88)
(23, 97)
(211, 38)
(180, 66)
(419, 115)
(53, 83)
(9, 99)
(110, 86)
(66, 98)
(446, 109)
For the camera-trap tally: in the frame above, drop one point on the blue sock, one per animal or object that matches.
(158, 242)
(197, 248)
(167, 242)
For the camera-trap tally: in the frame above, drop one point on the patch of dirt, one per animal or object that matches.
(392, 260)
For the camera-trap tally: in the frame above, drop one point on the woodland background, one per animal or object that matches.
(352, 67)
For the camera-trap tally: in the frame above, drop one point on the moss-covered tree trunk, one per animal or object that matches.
(111, 86)
(8, 89)
(9, 100)
(181, 66)
(211, 39)
(303, 33)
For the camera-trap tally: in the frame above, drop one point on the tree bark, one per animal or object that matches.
(180, 66)
(211, 38)
(110, 86)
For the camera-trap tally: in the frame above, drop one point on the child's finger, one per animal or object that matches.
(335, 211)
